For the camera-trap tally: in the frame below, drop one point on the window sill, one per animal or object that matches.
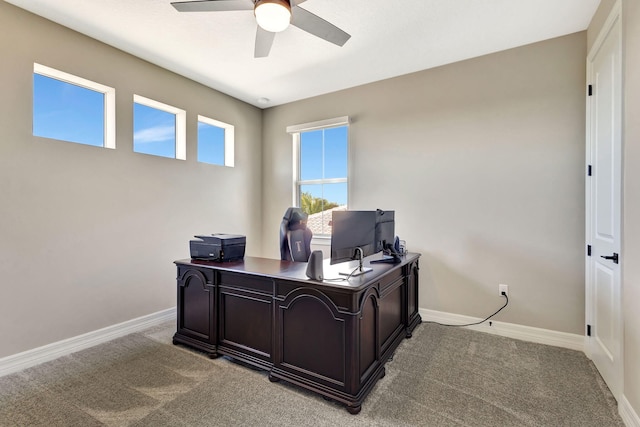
(324, 240)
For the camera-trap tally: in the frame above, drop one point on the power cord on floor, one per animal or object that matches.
(475, 323)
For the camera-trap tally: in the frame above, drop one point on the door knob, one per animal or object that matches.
(613, 257)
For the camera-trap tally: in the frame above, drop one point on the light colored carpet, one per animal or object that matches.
(440, 377)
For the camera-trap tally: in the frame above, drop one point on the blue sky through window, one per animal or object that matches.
(210, 144)
(154, 131)
(323, 155)
(67, 112)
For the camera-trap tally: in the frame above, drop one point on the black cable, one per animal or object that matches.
(343, 279)
(476, 323)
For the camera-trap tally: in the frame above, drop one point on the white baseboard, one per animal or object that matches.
(628, 415)
(511, 330)
(29, 358)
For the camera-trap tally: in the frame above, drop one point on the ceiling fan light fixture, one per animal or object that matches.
(273, 15)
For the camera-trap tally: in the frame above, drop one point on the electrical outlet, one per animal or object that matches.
(503, 289)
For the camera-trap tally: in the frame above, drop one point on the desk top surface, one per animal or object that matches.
(275, 268)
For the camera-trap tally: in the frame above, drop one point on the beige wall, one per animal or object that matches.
(483, 163)
(88, 235)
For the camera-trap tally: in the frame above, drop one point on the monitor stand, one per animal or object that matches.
(360, 269)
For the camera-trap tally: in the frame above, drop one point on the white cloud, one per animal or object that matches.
(155, 134)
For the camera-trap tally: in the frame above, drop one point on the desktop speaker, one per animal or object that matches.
(314, 266)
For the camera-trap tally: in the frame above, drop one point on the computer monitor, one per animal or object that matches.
(385, 229)
(353, 237)
(386, 237)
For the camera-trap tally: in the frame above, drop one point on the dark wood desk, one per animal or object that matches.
(330, 337)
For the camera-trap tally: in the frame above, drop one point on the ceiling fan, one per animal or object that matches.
(272, 17)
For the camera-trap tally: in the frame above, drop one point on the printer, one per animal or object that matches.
(218, 247)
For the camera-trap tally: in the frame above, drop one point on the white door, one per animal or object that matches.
(603, 196)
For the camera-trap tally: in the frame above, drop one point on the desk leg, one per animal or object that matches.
(273, 379)
(354, 410)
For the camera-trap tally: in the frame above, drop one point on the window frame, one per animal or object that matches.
(296, 131)
(229, 139)
(181, 124)
(109, 100)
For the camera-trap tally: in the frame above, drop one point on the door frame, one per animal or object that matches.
(612, 23)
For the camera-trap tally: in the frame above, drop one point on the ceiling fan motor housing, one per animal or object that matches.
(273, 15)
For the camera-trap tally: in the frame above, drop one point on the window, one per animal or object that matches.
(73, 109)
(321, 170)
(215, 142)
(158, 129)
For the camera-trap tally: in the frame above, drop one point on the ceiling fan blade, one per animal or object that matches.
(264, 41)
(212, 5)
(317, 26)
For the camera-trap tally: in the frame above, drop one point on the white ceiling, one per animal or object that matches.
(388, 38)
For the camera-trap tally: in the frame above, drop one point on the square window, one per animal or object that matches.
(73, 109)
(154, 131)
(215, 142)
(158, 129)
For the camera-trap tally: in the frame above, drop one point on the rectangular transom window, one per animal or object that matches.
(73, 109)
(215, 142)
(158, 129)
(321, 154)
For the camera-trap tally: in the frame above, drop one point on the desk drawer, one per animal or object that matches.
(247, 282)
(389, 280)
